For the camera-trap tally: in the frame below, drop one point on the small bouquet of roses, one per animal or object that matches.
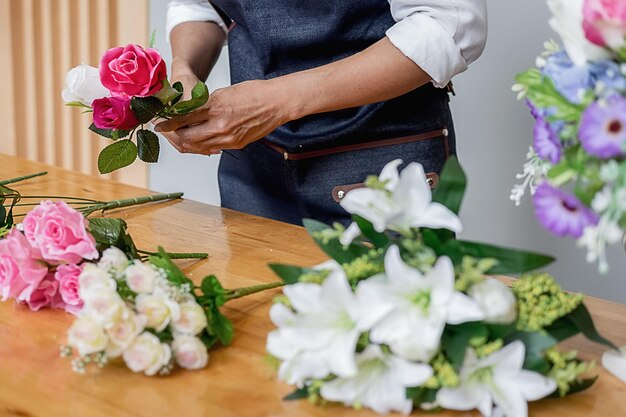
(405, 315)
(576, 168)
(149, 314)
(127, 92)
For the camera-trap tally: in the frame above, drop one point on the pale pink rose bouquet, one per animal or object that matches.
(128, 91)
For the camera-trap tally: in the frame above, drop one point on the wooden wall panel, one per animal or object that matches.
(40, 40)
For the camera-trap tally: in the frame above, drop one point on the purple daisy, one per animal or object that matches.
(603, 128)
(547, 143)
(560, 213)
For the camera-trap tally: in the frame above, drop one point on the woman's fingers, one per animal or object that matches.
(177, 122)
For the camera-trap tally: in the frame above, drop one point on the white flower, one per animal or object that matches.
(535, 171)
(147, 354)
(614, 361)
(122, 333)
(93, 279)
(87, 336)
(380, 383)
(158, 309)
(568, 23)
(103, 305)
(410, 310)
(113, 259)
(404, 203)
(190, 353)
(140, 277)
(496, 300)
(191, 320)
(82, 84)
(596, 238)
(320, 337)
(352, 232)
(498, 378)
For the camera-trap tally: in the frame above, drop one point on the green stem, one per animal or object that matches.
(245, 291)
(82, 203)
(177, 255)
(129, 202)
(24, 178)
(59, 197)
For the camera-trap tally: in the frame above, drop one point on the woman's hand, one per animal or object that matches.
(232, 118)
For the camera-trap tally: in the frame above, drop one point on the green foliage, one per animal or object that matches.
(568, 372)
(329, 242)
(168, 93)
(452, 184)
(199, 96)
(148, 147)
(212, 298)
(290, 274)
(378, 239)
(8, 198)
(146, 108)
(109, 133)
(365, 266)
(456, 340)
(112, 232)
(116, 156)
(174, 274)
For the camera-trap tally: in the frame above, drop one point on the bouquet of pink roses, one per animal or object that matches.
(128, 91)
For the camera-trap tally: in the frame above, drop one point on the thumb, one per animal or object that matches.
(176, 122)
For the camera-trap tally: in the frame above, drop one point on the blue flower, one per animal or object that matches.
(569, 79)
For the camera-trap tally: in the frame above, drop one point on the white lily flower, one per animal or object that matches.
(380, 383)
(404, 203)
(409, 310)
(614, 361)
(320, 337)
(498, 378)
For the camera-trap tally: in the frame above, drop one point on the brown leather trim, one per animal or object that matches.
(360, 146)
(340, 191)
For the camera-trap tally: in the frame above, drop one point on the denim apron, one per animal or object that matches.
(303, 168)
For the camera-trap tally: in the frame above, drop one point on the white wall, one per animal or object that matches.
(494, 132)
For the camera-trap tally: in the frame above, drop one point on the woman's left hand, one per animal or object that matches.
(232, 118)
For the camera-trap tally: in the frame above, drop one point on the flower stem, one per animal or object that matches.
(178, 255)
(24, 178)
(129, 202)
(245, 291)
(59, 197)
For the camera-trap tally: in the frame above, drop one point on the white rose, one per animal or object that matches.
(147, 354)
(93, 279)
(104, 307)
(123, 332)
(190, 352)
(87, 336)
(158, 309)
(496, 300)
(140, 277)
(113, 259)
(82, 84)
(192, 319)
(568, 23)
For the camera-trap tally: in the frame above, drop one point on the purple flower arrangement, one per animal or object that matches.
(576, 167)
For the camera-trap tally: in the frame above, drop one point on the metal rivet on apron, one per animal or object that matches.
(430, 181)
(341, 194)
(286, 156)
(444, 132)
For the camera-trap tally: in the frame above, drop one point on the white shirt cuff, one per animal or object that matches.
(181, 12)
(430, 46)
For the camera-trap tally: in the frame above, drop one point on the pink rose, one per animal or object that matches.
(21, 271)
(132, 71)
(113, 113)
(45, 295)
(60, 233)
(605, 22)
(67, 277)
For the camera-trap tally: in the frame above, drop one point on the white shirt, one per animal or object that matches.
(441, 36)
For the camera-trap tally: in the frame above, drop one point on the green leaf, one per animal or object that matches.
(7, 193)
(167, 93)
(178, 86)
(536, 344)
(299, 394)
(148, 147)
(576, 387)
(420, 395)
(108, 133)
(288, 273)
(562, 329)
(199, 96)
(332, 247)
(378, 239)
(77, 104)
(582, 319)
(112, 232)
(116, 156)
(452, 183)
(173, 272)
(3, 216)
(212, 288)
(510, 261)
(456, 339)
(146, 108)
(224, 329)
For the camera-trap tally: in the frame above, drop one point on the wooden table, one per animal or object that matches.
(35, 381)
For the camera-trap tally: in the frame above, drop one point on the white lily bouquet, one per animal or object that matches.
(149, 314)
(405, 315)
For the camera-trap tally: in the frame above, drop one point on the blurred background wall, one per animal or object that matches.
(40, 40)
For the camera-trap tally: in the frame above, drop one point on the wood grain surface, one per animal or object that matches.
(35, 381)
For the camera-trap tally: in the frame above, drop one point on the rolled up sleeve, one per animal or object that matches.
(181, 11)
(441, 36)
